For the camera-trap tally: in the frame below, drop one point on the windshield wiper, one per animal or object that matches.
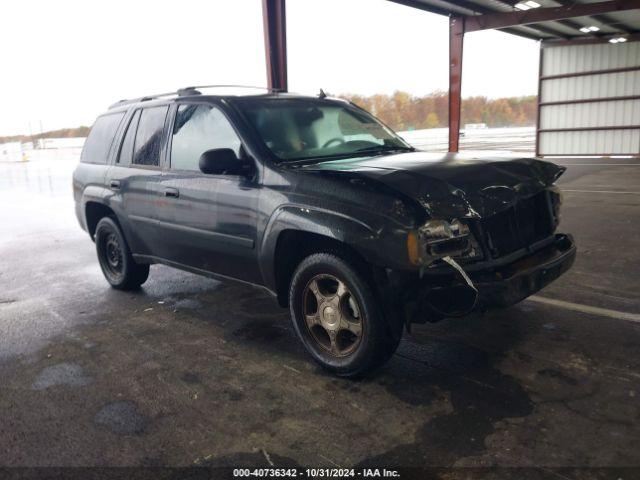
(338, 156)
(385, 148)
(317, 158)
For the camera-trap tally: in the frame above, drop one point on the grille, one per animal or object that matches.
(527, 222)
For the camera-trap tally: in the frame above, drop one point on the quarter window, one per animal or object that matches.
(96, 147)
(199, 128)
(149, 136)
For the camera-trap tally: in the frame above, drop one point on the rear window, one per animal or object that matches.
(96, 147)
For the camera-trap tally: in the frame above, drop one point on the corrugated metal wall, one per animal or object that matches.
(589, 99)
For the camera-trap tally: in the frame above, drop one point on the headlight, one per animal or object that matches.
(437, 239)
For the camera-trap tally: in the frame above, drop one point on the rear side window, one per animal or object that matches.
(149, 136)
(126, 151)
(97, 144)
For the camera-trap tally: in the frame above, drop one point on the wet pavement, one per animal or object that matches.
(192, 371)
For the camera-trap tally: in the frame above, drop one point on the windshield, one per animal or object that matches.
(315, 129)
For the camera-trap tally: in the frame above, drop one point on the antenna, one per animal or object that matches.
(322, 94)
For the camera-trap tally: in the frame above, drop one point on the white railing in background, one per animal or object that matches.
(514, 139)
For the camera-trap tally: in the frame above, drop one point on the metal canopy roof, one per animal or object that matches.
(554, 21)
(550, 20)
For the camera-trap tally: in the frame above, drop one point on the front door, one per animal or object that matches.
(209, 221)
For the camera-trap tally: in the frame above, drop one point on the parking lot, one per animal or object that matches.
(192, 371)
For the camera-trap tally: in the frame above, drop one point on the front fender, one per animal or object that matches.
(377, 245)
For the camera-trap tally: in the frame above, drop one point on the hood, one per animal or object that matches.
(451, 185)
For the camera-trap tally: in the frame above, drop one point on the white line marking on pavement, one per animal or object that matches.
(599, 164)
(578, 307)
(598, 191)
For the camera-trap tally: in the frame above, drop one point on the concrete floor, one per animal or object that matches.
(192, 371)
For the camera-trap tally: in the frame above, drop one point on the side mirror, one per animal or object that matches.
(223, 161)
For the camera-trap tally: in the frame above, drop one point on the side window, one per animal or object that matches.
(199, 128)
(148, 141)
(126, 150)
(96, 146)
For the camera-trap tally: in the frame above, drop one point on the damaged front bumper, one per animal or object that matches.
(522, 278)
(436, 296)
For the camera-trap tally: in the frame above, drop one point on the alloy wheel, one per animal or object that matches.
(332, 315)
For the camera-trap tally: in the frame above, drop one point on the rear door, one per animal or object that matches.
(209, 220)
(136, 175)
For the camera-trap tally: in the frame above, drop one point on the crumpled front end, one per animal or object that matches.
(489, 241)
(447, 293)
(492, 261)
(484, 220)
(478, 213)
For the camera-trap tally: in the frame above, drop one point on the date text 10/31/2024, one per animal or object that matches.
(316, 473)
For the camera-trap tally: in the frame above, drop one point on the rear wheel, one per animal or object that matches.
(338, 318)
(115, 259)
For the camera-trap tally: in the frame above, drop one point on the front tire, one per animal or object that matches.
(338, 318)
(115, 259)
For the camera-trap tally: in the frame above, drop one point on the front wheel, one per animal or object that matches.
(338, 318)
(117, 264)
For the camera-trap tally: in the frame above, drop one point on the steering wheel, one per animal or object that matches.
(336, 140)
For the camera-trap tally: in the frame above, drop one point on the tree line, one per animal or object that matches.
(402, 111)
(61, 133)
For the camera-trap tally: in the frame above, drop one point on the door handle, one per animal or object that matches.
(171, 192)
(115, 184)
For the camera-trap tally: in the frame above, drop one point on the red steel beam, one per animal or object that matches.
(275, 43)
(456, 42)
(536, 15)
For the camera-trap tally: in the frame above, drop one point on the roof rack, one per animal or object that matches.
(146, 98)
(186, 91)
(254, 87)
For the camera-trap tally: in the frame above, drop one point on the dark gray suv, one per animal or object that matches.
(322, 205)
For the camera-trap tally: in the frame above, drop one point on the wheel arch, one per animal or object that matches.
(94, 211)
(296, 232)
(295, 245)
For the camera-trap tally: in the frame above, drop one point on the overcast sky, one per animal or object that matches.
(65, 61)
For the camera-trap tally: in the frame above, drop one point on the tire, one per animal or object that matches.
(115, 259)
(345, 331)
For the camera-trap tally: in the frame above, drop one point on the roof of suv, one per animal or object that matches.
(195, 93)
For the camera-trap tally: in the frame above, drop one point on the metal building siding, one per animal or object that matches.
(597, 114)
(566, 99)
(587, 58)
(599, 142)
(591, 86)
